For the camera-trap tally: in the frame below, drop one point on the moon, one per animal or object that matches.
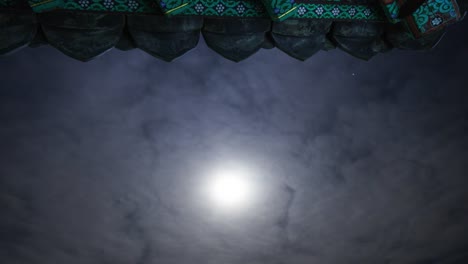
(231, 188)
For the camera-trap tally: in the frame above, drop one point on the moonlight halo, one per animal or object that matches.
(230, 188)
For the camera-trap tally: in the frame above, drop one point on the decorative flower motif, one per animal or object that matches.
(301, 10)
(84, 3)
(132, 4)
(352, 11)
(276, 10)
(163, 4)
(367, 12)
(199, 8)
(335, 11)
(220, 8)
(240, 9)
(109, 4)
(319, 10)
(436, 21)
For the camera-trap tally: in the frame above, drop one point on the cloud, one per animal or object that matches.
(362, 162)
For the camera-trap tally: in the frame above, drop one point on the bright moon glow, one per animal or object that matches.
(230, 189)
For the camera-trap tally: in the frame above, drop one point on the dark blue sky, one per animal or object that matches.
(356, 162)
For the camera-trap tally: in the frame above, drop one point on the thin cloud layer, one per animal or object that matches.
(359, 162)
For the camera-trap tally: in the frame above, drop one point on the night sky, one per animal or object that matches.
(354, 162)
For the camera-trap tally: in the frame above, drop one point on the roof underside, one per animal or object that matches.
(84, 35)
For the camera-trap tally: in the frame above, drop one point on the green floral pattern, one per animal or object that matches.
(280, 9)
(125, 6)
(433, 15)
(321, 9)
(339, 12)
(228, 8)
(303, 11)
